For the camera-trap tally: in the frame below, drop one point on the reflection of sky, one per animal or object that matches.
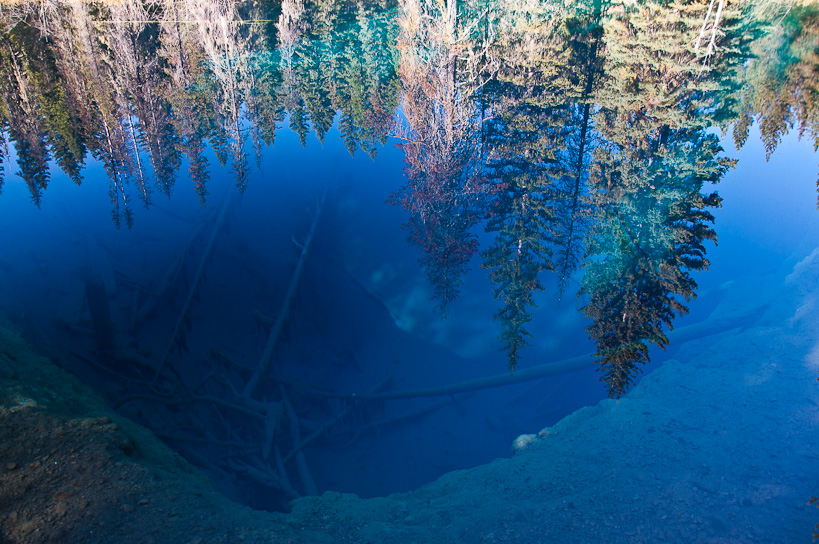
(769, 214)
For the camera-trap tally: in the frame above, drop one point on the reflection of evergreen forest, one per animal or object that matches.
(575, 135)
(142, 86)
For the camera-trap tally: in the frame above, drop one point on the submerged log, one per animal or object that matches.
(281, 319)
(154, 297)
(321, 430)
(97, 298)
(683, 334)
(295, 432)
(183, 314)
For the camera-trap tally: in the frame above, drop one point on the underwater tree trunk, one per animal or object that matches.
(97, 298)
(226, 206)
(281, 319)
(681, 335)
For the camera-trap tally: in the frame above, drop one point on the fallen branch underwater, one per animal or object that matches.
(281, 319)
(226, 206)
(155, 297)
(683, 334)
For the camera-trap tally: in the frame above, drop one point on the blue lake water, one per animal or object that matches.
(321, 252)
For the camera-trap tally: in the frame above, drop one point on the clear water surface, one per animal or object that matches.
(353, 246)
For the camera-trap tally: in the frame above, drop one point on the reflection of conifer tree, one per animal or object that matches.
(291, 27)
(266, 112)
(264, 100)
(650, 219)
(191, 118)
(354, 107)
(571, 212)
(187, 95)
(126, 69)
(517, 258)
(365, 65)
(114, 153)
(116, 147)
(32, 158)
(525, 142)
(652, 62)
(261, 102)
(225, 44)
(650, 224)
(585, 67)
(85, 59)
(347, 128)
(71, 38)
(299, 123)
(63, 130)
(335, 59)
(218, 138)
(783, 93)
(120, 211)
(375, 118)
(25, 121)
(442, 137)
(33, 72)
(443, 209)
(4, 155)
(532, 158)
(157, 132)
(313, 72)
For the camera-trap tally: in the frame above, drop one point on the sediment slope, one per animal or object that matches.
(71, 470)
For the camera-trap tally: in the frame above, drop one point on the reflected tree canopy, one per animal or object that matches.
(575, 135)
